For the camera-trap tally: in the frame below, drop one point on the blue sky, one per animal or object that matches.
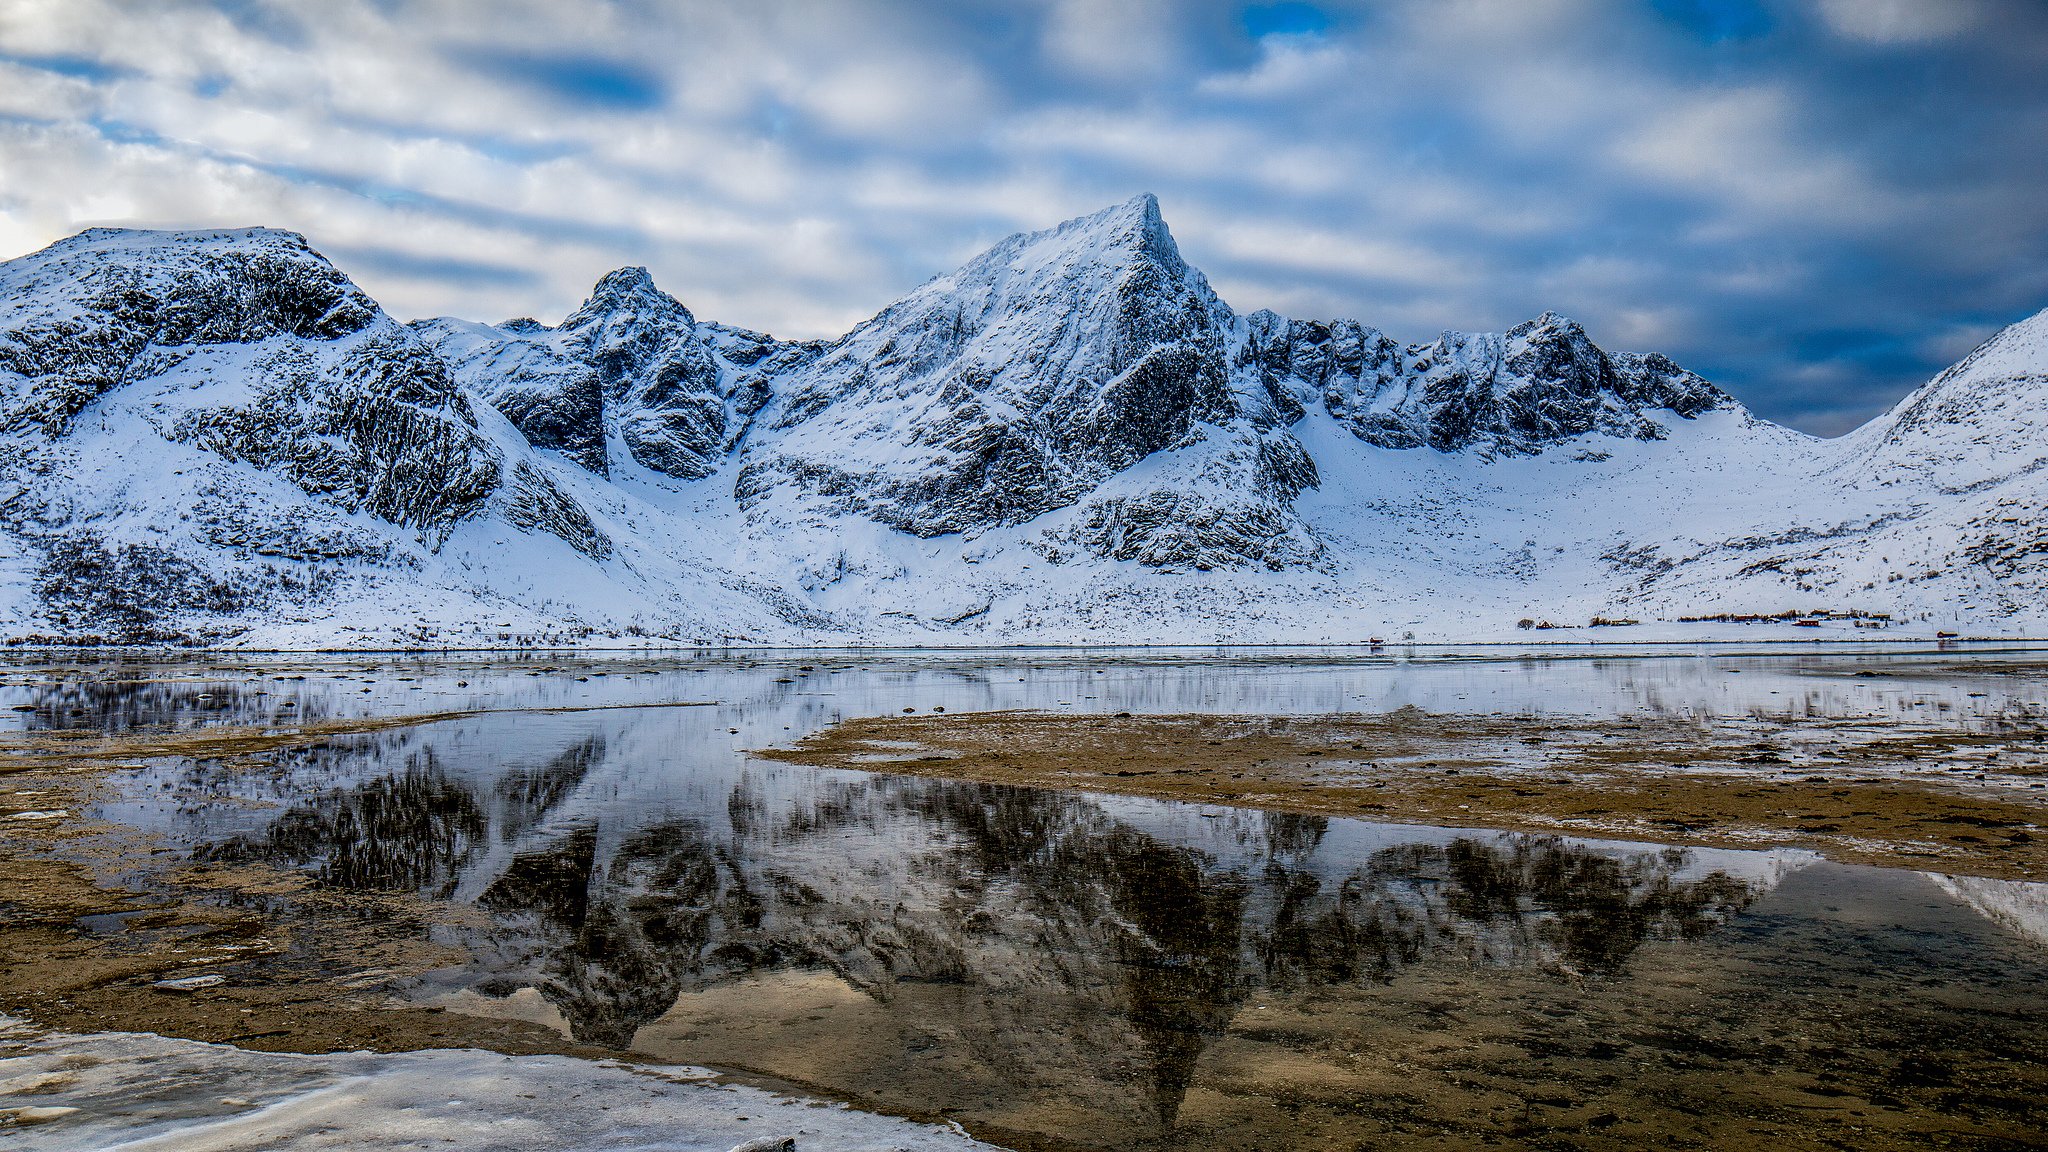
(1817, 203)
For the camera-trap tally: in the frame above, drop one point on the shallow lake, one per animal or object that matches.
(1056, 969)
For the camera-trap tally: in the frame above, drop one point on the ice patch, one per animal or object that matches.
(141, 1093)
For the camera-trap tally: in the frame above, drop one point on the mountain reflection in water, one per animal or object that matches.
(1132, 932)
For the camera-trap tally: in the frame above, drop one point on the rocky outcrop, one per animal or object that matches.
(1024, 381)
(379, 429)
(535, 503)
(631, 362)
(663, 382)
(1538, 384)
(553, 398)
(264, 354)
(110, 306)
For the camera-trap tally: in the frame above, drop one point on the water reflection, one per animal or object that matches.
(809, 689)
(1107, 971)
(123, 703)
(1142, 928)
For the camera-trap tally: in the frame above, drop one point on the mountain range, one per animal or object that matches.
(215, 437)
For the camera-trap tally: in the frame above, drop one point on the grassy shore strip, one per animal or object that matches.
(1861, 792)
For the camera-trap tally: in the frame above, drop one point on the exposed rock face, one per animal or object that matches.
(1020, 383)
(533, 502)
(322, 387)
(1537, 384)
(631, 361)
(519, 368)
(380, 429)
(125, 590)
(1221, 502)
(223, 421)
(664, 382)
(99, 310)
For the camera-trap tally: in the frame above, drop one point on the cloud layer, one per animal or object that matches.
(1817, 203)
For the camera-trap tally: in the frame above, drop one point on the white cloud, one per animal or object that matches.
(1276, 246)
(791, 165)
(1742, 148)
(1287, 66)
(1114, 40)
(1952, 343)
(1901, 21)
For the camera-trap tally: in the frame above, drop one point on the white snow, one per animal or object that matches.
(140, 1093)
(1932, 515)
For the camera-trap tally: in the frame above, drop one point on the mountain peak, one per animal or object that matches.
(1118, 238)
(1040, 368)
(1983, 418)
(155, 236)
(1134, 227)
(632, 291)
(1549, 321)
(1140, 211)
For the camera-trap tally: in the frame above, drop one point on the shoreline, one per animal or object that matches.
(1833, 644)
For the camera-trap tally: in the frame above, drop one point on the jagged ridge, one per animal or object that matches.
(225, 412)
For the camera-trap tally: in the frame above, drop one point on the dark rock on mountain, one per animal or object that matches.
(631, 361)
(126, 590)
(382, 429)
(534, 503)
(662, 381)
(1540, 383)
(1225, 503)
(555, 400)
(322, 387)
(1343, 365)
(1022, 382)
(97, 311)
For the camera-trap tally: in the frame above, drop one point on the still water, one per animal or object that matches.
(1061, 970)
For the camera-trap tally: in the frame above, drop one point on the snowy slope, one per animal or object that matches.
(1023, 382)
(215, 437)
(211, 431)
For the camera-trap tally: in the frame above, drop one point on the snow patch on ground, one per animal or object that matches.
(142, 1093)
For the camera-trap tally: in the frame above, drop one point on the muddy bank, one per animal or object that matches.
(93, 918)
(1859, 792)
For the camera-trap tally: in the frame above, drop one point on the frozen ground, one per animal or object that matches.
(141, 1093)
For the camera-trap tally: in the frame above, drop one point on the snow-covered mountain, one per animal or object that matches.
(216, 437)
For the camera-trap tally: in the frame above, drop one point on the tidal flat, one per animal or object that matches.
(1060, 899)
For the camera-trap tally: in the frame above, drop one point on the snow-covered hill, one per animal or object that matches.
(216, 437)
